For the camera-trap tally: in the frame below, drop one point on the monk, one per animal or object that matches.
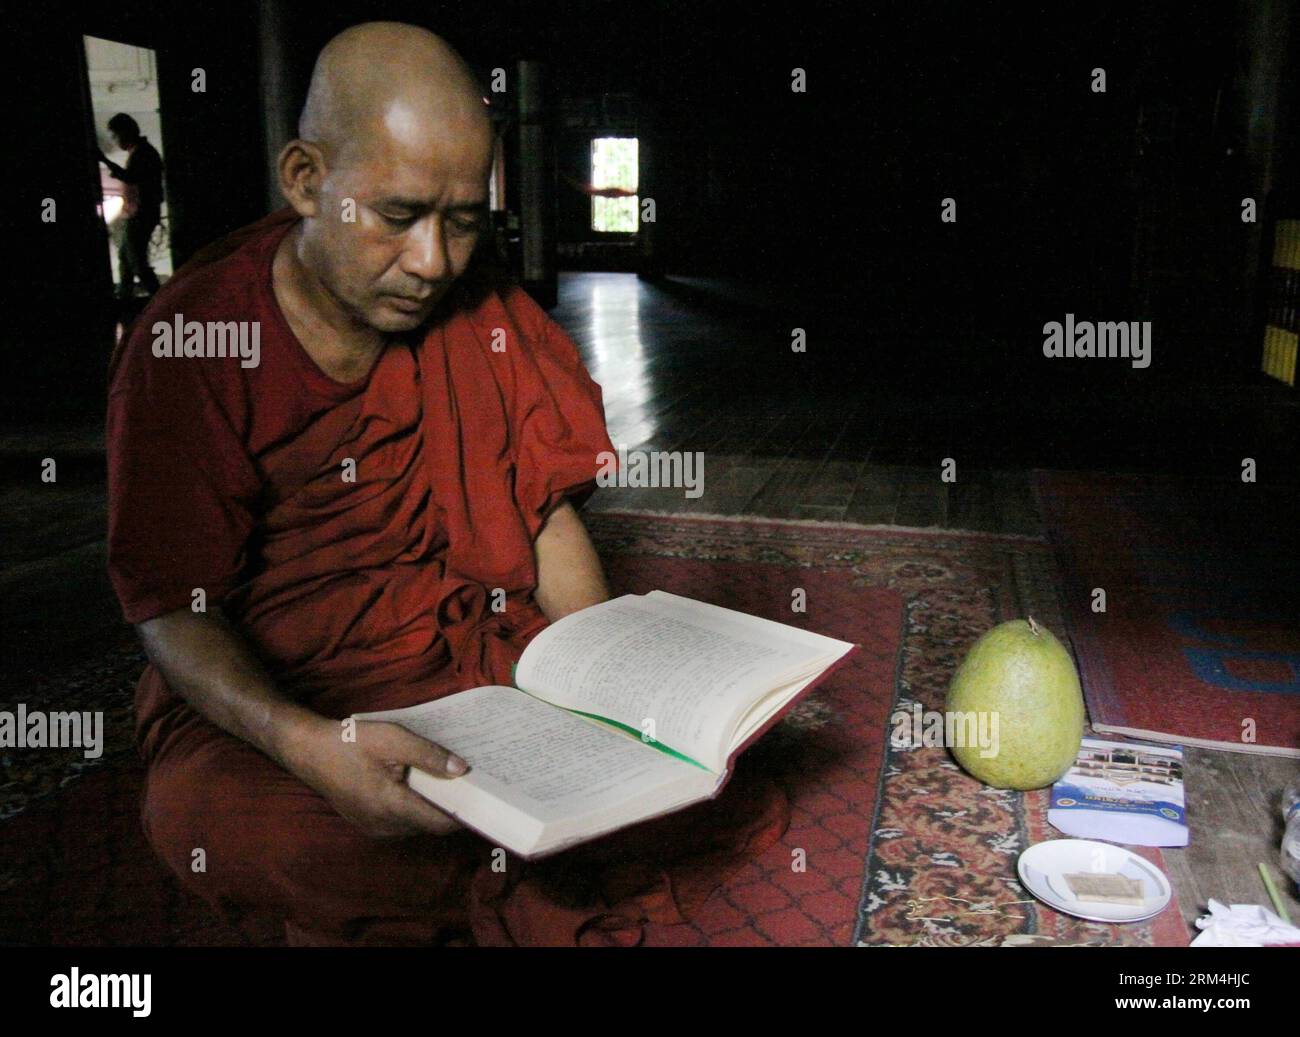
(319, 525)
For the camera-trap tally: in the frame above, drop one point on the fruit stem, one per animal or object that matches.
(1033, 626)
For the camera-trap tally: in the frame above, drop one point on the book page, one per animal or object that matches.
(636, 659)
(753, 625)
(546, 762)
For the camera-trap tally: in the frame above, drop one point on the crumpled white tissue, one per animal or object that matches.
(1243, 925)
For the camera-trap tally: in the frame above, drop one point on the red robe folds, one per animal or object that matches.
(355, 533)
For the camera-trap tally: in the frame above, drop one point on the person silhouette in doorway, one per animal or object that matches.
(143, 176)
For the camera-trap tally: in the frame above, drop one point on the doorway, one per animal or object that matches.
(124, 81)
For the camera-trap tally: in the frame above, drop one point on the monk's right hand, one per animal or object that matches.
(365, 780)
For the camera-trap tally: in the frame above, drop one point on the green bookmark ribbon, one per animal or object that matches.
(639, 736)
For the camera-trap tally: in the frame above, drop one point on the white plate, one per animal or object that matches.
(1043, 868)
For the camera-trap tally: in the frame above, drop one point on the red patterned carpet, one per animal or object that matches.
(940, 867)
(827, 754)
(1199, 642)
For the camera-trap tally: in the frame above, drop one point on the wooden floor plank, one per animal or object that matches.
(875, 497)
(922, 499)
(971, 502)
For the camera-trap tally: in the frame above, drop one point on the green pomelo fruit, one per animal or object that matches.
(1022, 674)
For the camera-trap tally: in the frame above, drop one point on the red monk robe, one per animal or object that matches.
(368, 594)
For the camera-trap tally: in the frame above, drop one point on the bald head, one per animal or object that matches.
(389, 174)
(387, 79)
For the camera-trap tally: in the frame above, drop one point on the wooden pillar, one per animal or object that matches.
(537, 186)
(649, 259)
(1263, 40)
(279, 106)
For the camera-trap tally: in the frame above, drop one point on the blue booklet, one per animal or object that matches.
(1122, 792)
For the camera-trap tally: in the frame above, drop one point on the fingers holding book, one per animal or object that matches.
(365, 781)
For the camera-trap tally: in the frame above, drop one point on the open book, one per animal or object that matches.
(630, 709)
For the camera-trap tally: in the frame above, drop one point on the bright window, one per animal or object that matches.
(613, 164)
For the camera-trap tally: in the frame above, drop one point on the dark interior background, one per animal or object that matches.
(1116, 206)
